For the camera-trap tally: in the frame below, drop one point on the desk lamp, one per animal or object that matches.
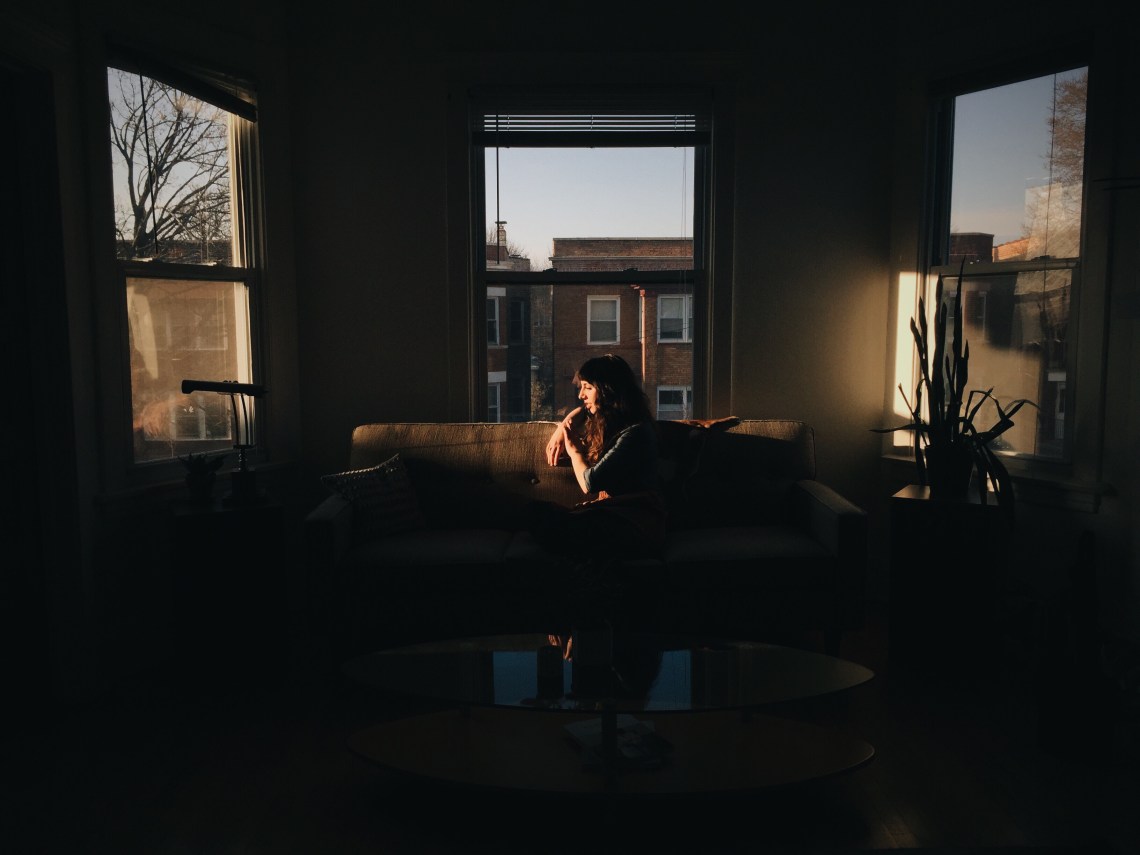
(243, 489)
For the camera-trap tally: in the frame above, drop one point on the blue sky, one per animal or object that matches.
(546, 193)
(1001, 143)
(1002, 139)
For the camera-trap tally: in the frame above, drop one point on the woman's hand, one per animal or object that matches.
(561, 436)
(554, 446)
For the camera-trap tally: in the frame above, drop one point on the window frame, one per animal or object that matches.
(1075, 481)
(237, 95)
(710, 280)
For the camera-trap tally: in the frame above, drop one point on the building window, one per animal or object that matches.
(517, 322)
(492, 321)
(183, 164)
(602, 317)
(674, 402)
(1013, 217)
(629, 171)
(493, 412)
(675, 318)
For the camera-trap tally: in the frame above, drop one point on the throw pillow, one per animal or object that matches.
(383, 500)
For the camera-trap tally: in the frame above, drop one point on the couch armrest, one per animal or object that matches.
(841, 527)
(832, 520)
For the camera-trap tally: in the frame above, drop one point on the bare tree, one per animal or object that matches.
(173, 150)
(510, 248)
(1066, 159)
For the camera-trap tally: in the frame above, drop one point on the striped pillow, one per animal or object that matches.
(383, 500)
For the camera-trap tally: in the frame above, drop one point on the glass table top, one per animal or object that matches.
(601, 668)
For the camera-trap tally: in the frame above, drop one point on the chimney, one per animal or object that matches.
(501, 239)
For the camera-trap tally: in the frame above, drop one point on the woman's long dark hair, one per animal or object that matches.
(621, 401)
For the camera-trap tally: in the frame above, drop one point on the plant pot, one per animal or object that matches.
(948, 471)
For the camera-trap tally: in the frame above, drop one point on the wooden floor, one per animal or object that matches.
(261, 766)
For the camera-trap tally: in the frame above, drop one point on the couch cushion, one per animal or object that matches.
(383, 499)
(740, 557)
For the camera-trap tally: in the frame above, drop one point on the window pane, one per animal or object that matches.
(170, 161)
(1018, 172)
(493, 403)
(587, 210)
(673, 403)
(603, 321)
(492, 321)
(675, 318)
(539, 194)
(1016, 325)
(1018, 164)
(184, 329)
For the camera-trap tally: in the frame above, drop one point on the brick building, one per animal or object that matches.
(538, 335)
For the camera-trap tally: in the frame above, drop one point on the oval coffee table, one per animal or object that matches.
(600, 712)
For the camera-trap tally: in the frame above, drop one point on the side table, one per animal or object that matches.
(230, 592)
(946, 583)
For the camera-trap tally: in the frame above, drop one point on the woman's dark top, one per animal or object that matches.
(629, 465)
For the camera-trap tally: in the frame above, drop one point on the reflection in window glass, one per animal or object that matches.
(182, 329)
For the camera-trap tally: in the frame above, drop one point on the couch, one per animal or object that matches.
(435, 543)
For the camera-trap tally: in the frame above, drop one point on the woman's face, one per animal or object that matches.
(588, 395)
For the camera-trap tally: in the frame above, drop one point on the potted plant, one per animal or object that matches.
(201, 472)
(948, 445)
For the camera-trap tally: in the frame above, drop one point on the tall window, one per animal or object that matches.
(1013, 214)
(592, 200)
(183, 154)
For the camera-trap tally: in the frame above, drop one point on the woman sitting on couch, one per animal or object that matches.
(611, 443)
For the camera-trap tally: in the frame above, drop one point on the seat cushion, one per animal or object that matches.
(739, 557)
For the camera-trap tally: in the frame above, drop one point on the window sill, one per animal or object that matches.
(1033, 489)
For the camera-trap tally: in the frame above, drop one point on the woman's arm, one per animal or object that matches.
(554, 447)
(577, 458)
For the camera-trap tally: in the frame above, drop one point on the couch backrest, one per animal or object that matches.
(470, 474)
(735, 474)
(484, 474)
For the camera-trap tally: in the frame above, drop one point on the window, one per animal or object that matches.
(602, 320)
(674, 318)
(516, 333)
(594, 195)
(183, 155)
(674, 402)
(1013, 216)
(492, 320)
(493, 402)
